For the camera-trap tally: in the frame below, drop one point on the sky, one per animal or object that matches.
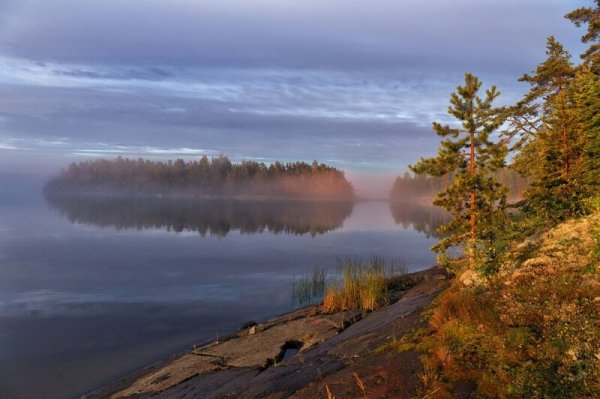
(352, 83)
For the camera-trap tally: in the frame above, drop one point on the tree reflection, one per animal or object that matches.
(423, 218)
(206, 216)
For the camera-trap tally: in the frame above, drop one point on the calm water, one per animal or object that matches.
(93, 289)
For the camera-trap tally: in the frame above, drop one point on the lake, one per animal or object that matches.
(94, 288)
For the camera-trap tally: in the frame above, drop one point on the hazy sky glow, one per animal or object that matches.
(352, 83)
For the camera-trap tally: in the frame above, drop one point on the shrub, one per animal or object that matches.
(532, 332)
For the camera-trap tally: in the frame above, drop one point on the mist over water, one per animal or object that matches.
(94, 288)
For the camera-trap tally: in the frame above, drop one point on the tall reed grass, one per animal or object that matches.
(309, 288)
(361, 285)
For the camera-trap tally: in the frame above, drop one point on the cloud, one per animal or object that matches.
(336, 34)
(104, 150)
(152, 74)
(356, 121)
(353, 96)
(5, 146)
(353, 83)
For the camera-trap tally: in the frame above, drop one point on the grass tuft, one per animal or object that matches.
(362, 285)
(310, 288)
(360, 384)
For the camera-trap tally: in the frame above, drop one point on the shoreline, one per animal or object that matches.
(263, 355)
(191, 195)
(188, 195)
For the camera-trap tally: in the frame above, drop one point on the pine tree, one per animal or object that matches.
(591, 17)
(588, 95)
(475, 198)
(551, 156)
(556, 191)
(587, 100)
(550, 77)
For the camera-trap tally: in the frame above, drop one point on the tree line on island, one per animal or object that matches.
(217, 176)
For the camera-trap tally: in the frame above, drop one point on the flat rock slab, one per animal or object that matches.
(182, 369)
(336, 349)
(257, 347)
(256, 350)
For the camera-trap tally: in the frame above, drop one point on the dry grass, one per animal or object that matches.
(363, 285)
(333, 300)
(532, 332)
(328, 392)
(360, 384)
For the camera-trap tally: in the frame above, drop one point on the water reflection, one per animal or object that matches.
(214, 217)
(109, 303)
(422, 218)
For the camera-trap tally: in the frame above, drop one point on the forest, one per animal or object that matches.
(217, 176)
(423, 188)
(520, 318)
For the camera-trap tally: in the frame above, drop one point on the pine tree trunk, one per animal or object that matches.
(473, 205)
(565, 139)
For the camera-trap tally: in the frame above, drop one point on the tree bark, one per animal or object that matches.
(565, 139)
(473, 197)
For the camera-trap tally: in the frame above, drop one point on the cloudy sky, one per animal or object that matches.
(353, 83)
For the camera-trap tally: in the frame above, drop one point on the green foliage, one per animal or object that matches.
(475, 198)
(558, 123)
(552, 155)
(591, 17)
(550, 77)
(587, 100)
(531, 329)
(593, 204)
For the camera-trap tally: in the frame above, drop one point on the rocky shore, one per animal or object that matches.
(301, 354)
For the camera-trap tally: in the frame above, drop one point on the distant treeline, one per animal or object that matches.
(409, 187)
(217, 176)
(215, 217)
